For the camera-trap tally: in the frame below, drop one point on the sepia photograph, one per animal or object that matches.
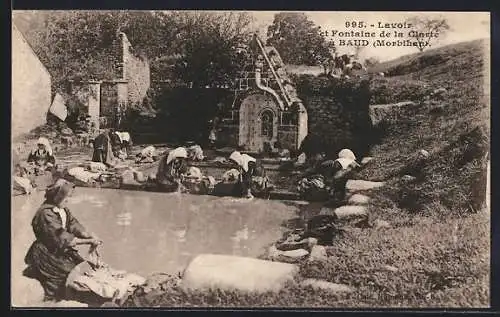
(250, 159)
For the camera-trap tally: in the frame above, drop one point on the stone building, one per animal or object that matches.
(266, 108)
(31, 86)
(107, 100)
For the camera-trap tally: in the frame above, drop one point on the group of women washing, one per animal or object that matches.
(250, 175)
(324, 179)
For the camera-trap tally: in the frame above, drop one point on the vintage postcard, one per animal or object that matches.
(250, 159)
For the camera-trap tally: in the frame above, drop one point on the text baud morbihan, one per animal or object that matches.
(386, 35)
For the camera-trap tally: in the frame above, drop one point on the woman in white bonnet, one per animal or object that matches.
(334, 174)
(42, 157)
(249, 169)
(172, 169)
(337, 172)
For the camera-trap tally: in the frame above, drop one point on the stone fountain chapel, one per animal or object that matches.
(266, 108)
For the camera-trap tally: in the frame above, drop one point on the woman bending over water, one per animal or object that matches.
(252, 172)
(173, 167)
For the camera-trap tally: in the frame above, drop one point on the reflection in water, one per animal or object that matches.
(239, 239)
(124, 219)
(147, 232)
(91, 200)
(180, 234)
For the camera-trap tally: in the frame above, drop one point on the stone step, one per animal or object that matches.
(275, 254)
(355, 185)
(358, 199)
(346, 212)
(225, 272)
(318, 253)
(365, 160)
(296, 203)
(285, 195)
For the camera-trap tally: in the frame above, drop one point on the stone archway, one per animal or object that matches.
(258, 121)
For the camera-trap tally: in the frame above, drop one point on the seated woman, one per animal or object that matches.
(103, 148)
(53, 256)
(253, 179)
(172, 169)
(42, 158)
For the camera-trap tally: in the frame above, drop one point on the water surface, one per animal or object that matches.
(147, 232)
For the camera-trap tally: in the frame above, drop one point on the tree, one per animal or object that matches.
(79, 44)
(207, 43)
(297, 39)
(324, 56)
(426, 30)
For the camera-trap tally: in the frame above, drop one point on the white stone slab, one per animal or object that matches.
(210, 271)
(356, 185)
(351, 212)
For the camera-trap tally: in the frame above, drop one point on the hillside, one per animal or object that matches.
(453, 127)
(461, 61)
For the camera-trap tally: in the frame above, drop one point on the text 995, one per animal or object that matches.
(355, 24)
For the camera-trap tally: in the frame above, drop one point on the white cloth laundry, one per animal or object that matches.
(23, 184)
(196, 153)
(231, 176)
(124, 136)
(106, 282)
(148, 151)
(82, 175)
(97, 167)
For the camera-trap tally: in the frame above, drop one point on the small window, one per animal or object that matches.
(267, 123)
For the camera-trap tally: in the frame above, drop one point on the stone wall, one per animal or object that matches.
(31, 87)
(108, 104)
(338, 112)
(135, 71)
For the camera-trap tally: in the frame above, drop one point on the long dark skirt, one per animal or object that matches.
(51, 269)
(99, 155)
